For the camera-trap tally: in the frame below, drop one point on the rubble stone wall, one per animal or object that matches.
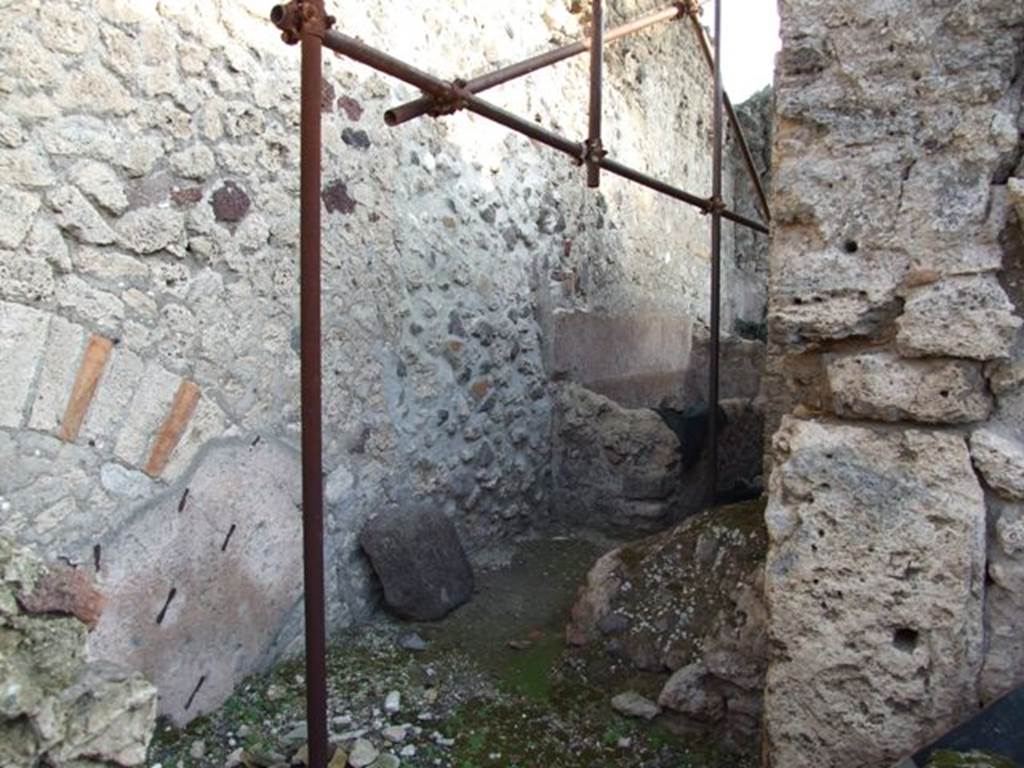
(149, 409)
(895, 572)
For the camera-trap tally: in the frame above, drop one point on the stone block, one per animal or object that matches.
(60, 357)
(964, 316)
(17, 210)
(144, 415)
(76, 216)
(220, 552)
(1004, 604)
(874, 583)
(637, 360)
(109, 409)
(417, 555)
(885, 387)
(22, 340)
(1000, 460)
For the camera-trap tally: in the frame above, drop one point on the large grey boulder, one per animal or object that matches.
(874, 584)
(420, 561)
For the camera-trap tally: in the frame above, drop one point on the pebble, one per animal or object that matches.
(386, 761)
(197, 750)
(395, 733)
(408, 751)
(412, 641)
(393, 702)
(625, 742)
(632, 704)
(296, 735)
(275, 692)
(234, 759)
(363, 754)
(244, 731)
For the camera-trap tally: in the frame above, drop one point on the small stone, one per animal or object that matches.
(357, 138)
(198, 750)
(301, 756)
(363, 754)
(412, 642)
(75, 215)
(408, 750)
(17, 210)
(275, 692)
(244, 731)
(149, 230)
(337, 199)
(393, 702)
(386, 761)
(352, 108)
(230, 202)
(395, 733)
(339, 759)
(624, 743)
(297, 734)
(68, 591)
(101, 183)
(234, 759)
(632, 704)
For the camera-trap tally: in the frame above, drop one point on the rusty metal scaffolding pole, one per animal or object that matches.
(734, 121)
(410, 110)
(716, 263)
(388, 64)
(305, 22)
(594, 150)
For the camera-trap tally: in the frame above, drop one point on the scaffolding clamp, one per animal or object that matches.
(299, 17)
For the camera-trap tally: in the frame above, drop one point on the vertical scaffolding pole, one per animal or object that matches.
(310, 343)
(716, 264)
(594, 150)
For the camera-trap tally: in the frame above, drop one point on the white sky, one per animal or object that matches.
(750, 39)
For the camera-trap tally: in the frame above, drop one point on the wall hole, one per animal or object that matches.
(850, 246)
(905, 639)
(183, 501)
(97, 552)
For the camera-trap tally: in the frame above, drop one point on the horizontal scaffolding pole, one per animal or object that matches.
(389, 65)
(430, 103)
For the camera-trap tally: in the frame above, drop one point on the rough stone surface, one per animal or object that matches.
(58, 709)
(1000, 460)
(884, 387)
(1004, 603)
(874, 585)
(220, 551)
(689, 601)
(967, 316)
(417, 555)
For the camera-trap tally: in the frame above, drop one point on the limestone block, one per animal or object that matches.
(1004, 605)
(885, 387)
(25, 166)
(116, 391)
(145, 413)
(17, 210)
(963, 316)
(220, 552)
(1000, 459)
(75, 215)
(100, 307)
(148, 230)
(874, 584)
(24, 278)
(22, 340)
(60, 357)
(109, 265)
(101, 183)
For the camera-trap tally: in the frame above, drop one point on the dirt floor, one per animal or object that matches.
(492, 685)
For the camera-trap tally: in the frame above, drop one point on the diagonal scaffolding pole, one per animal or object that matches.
(734, 122)
(430, 104)
(390, 65)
